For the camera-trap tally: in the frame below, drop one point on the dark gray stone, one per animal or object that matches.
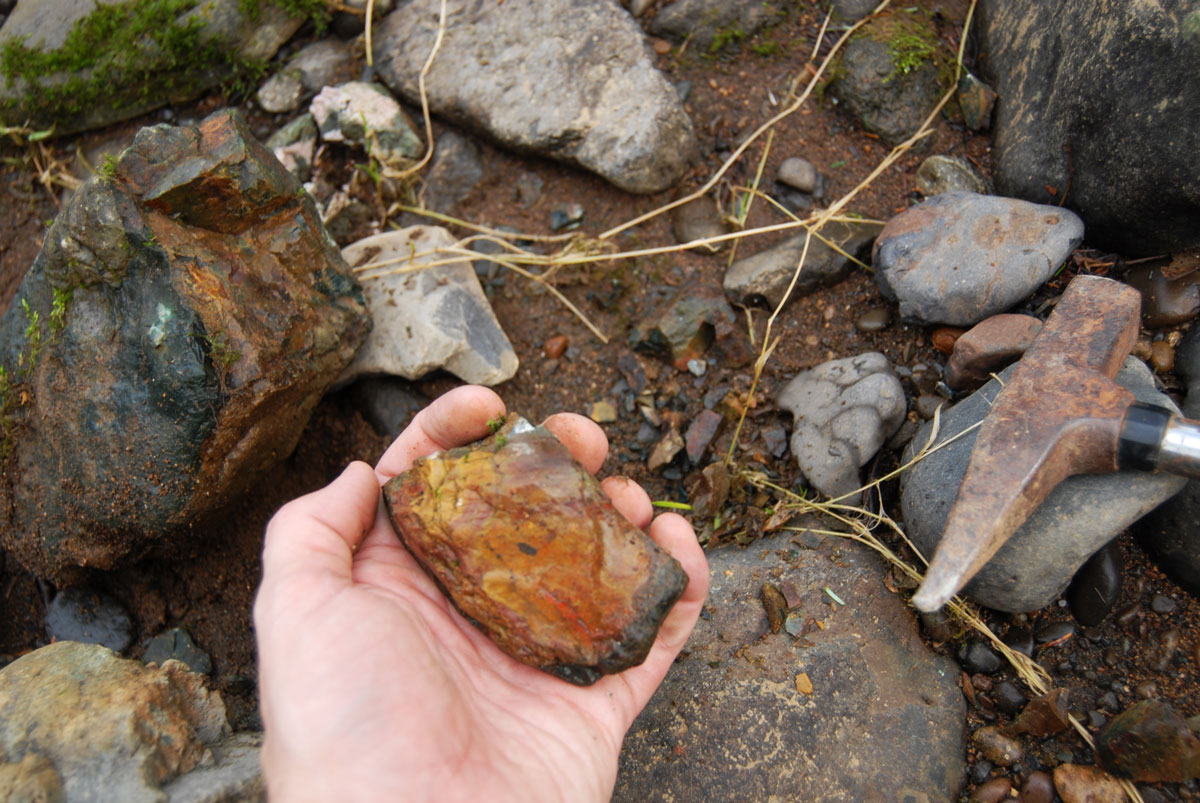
(1097, 586)
(123, 83)
(89, 617)
(387, 403)
(456, 170)
(977, 657)
(1079, 517)
(959, 257)
(884, 718)
(566, 80)
(1100, 100)
(939, 174)
(885, 100)
(176, 644)
(766, 275)
(234, 776)
(713, 23)
(186, 316)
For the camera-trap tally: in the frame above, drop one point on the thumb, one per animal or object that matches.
(318, 533)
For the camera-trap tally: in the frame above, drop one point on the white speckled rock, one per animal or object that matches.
(845, 410)
(960, 257)
(367, 116)
(427, 319)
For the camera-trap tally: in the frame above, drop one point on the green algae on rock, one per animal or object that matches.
(528, 546)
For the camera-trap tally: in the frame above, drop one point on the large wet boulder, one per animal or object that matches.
(843, 702)
(1098, 104)
(75, 66)
(571, 80)
(103, 727)
(167, 347)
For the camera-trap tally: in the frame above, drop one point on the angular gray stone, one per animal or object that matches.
(294, 146)
(959, 257)
(326, 62)
(426, 319)
(235, 775)
(367, 116)
(456, 170)
(567, 80)
(175, 644)
(122, 81)
(112, 728)
(1099, 100)
(766, 275)
(884, 720)
(698, 220)
(939, 174)
(845, 410)
(1079, 517)
(712, 22)
(887, 102)
(89, 617)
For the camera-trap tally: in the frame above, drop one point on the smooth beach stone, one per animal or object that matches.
(528, 546)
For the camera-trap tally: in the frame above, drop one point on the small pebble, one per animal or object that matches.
(697, 367)
(603, 412)
(661, 46)
(993, 791)
(1096, 586)
(977, 657)
(1096, 719)
(90, 617)
(829, 313)
(981, 682)
(927, 405)
(1038, 788)
(1129, 614)
(177, 644)
(554, 347)
(875, 320)
(1162, 604)
(981, 770)
(997, 746)
(566, 219)
(1162, 357)
(1019, 639)
(798, 174)
(1108, 700)
(1168, 643)
(1054, 631)
(944, 338)
(1009, 698)
(647, 434)
(938, 627)
(1147, 690)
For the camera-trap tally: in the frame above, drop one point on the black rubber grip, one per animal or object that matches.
(1141, 438)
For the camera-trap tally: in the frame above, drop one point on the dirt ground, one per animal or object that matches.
(208, 585)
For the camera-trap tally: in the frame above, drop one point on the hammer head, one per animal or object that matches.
(1059, 414)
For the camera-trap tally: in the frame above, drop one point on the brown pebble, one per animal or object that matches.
(1162, 356)
(1147, 690)
(875, 320)
(830, 312)
(927, 404)
(998, 747)
(944, 337)
(662, 47)
(554, 347)
(993, 791)
(981, 682)
(1076, 783)
(1038, 788)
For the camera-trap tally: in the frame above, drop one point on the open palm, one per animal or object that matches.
(374, 687)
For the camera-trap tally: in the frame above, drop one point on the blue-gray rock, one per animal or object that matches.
(960, 257)
(888, 99)
(366, 116)
(128, 69)
(1079, 517)
(939, 174)
(89, 617)
(709, 25)
(1169, 533)
(1099, 101)
(765, 276)
(183, 318)
(176, 644)
(845, 410)
(876, 715)
(426, 319)
(565, 80)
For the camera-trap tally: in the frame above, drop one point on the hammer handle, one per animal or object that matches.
(1155, 439)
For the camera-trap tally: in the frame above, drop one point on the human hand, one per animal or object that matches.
(373, 686)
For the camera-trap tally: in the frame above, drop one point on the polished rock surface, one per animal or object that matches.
(527, 545)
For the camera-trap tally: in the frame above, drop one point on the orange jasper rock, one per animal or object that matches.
(528, 546)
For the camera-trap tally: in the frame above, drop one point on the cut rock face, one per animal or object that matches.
(527, 545)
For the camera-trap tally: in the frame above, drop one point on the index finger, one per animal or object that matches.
(454, 418)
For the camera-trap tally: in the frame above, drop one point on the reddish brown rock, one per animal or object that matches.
(700, 434)
(527, 545)
(988, 347)
(1076, 783)
(555, 347)
(1149, 742)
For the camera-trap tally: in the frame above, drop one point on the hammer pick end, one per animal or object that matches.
(935, 592)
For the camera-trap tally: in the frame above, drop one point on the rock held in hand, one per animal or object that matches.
(527, 545)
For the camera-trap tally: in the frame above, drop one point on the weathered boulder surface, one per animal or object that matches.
(426, 318)
(571, 80)
(111, 728)
(854, 708)
(75, 66)
(167, 347)
(1079, 516)
(1099, 102)
(527, 545)
(959, 257)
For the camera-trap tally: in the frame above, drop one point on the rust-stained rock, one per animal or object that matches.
(988, 347)
(527, 545)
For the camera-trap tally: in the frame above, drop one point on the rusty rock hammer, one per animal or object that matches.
(1061, 413)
